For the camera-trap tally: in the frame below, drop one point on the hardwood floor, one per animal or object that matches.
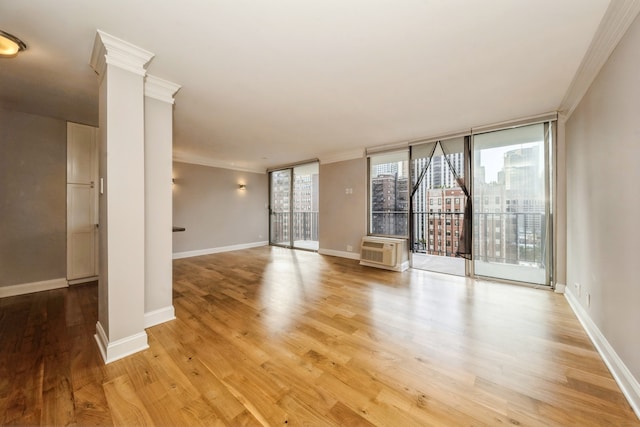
(269, 336)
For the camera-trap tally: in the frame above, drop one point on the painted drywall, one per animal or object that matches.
(121, 204)
(158, 135)
(33, 169)
(214, 211)
(602, 138)
(343, 206)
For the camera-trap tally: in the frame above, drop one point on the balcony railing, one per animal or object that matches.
(389, 223)
(305, 226)
(503, 237)
(435, 232)
(510, 237)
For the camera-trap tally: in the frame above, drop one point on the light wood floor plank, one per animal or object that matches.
(273, 337)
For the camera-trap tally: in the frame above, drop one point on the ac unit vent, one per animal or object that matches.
(373, 256)
(369, 244)
(383, 253)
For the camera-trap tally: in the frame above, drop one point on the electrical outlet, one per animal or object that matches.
(349, 248)
(588, 299)
(577, 286)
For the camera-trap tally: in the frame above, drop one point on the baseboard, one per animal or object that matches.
(340, 254)
(625, 379)
(83, 280)
(559, 288)
(200, 252)
(159, 316)
(28, 288)
(116, 350)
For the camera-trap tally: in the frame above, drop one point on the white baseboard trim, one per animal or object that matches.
(200, 252)
(159, 316)
(340, 254)
(28, 288)
(83, 280)
(116, 350)
(560, 288)
(625, 379)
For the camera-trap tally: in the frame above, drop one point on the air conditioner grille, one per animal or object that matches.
(378, 245)
(374, 256)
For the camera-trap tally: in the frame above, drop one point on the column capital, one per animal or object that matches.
(111, 50)
(160, 89)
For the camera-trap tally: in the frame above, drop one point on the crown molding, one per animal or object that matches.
(204, 161)
(160, 89)
(111, 50)
(616, 21)
(342, 156)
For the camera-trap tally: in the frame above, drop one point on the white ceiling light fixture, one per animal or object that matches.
(10, 45)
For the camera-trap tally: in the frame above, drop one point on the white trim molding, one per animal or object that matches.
(623, 376)
(156, 317)
(560, 288)
(111, 50)
(83, 280)
(209, 251)
(340, 254)
(616, 21)
(160, 89)
(28, 288)
(342, 156)
(204, 161)
(118, 349)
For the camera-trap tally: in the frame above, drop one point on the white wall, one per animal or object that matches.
(343, 216)
(216, 214)
(603, 207)
(33, 202)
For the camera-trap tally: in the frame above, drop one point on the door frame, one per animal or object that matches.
(291, 169)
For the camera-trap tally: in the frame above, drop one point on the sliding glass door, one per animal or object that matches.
(294, 207)
(280, 207)
(438, 203)
(511, 204)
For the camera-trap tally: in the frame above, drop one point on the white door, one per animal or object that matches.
(82, 218)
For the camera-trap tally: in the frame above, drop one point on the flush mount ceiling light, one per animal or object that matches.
(10, 45)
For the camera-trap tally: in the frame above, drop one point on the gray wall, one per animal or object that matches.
(208, 203)
(343, 217)
(603, 173)
(33, 201)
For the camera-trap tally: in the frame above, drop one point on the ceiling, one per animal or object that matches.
(270, 82)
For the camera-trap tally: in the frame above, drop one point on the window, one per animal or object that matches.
(389, 193)
(514, 163)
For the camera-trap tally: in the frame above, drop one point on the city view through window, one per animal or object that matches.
(509, 205)
(509, 202)
(294, 207)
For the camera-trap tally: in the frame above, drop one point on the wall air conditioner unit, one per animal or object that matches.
(383, 252)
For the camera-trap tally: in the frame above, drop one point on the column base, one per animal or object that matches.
(115, 350)
(161, 315)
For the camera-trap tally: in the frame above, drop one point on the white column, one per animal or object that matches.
(121, 70)
(158, 133)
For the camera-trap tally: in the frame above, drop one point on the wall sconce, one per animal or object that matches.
(242, 187)
(10, 45)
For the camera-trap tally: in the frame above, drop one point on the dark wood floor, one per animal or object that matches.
(268, 336)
